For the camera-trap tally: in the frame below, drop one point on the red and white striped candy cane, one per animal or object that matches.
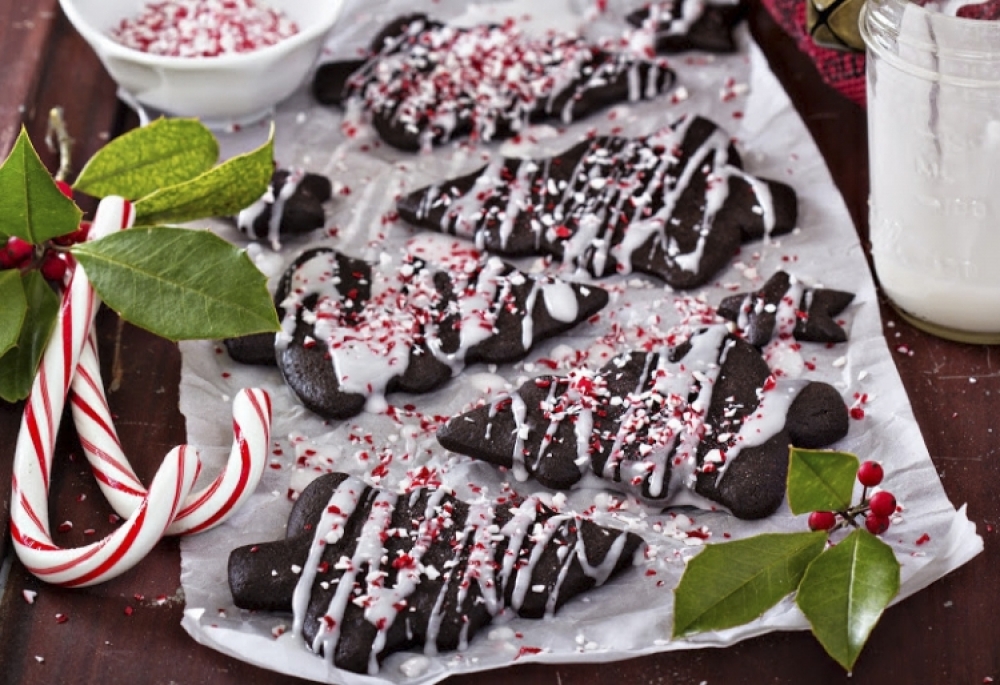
(202, 510)
(168, 500)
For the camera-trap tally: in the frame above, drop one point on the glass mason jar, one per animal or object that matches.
(934, 150)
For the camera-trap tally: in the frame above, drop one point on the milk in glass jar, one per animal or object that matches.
(934, 148)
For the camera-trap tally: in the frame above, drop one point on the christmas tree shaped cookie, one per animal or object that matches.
(425, 82)
(368, 572)
(675, 204)
(354, 331)
(705, 423)
(784, 307)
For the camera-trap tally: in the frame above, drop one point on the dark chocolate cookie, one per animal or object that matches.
(703, 423)
(353, 332)
(367, 572)
(292, 205)
(675, 204)
(681, 25)
(426, 83)
(784, 307)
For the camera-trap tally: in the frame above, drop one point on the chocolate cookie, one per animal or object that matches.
(675, 204)
(784, 307)
(292, 205)
(368, 572)
(681, 25)
(353, 332)
(426, 83)
(704, 423)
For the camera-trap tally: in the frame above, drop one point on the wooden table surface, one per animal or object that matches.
(128, 630)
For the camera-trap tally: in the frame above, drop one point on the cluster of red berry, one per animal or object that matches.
(876, 509)
(50, 261)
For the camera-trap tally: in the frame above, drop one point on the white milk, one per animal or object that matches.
(934, 143)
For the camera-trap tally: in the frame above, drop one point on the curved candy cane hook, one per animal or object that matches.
(202, 510)
(168, 506)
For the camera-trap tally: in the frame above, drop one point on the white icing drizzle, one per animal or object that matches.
(246, 218)
(600, 572)
(367, 554)
(404, 310)
(278, 208)
(328, 531)
(528, 533)
(654, 446)
(541, 535)
(787, 315)
(583, 220)
(520, 411)
(674, 18)
(764, 423)
(786, 312)
(387, 603)
(433, 79)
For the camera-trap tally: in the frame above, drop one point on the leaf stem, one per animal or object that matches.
(57, 138)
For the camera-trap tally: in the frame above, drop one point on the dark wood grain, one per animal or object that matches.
(128, 630)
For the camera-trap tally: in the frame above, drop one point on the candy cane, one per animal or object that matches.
(168, 506)
(202, 510)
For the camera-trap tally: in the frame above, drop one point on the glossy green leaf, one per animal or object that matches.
(732, 583)
(31, 205)
(844, 592)
(820, 480)
(178, 283)
(19, 364)
(164, 153)
(15, 306)
(223, 191)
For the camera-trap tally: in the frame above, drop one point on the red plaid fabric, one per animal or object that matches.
(845, 71)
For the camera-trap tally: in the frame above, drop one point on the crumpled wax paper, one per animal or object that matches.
(632, 614)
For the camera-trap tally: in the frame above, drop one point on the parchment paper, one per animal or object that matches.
(631, 615)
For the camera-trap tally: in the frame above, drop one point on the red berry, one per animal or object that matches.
(876, 525)
(53, 267)
(19, 250)
(822, 520)
(65, 189)
(77, 236)
(870, 474)
(882, 503)
(6, 260)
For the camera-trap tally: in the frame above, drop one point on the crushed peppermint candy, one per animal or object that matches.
(492, 80)
(203, 28)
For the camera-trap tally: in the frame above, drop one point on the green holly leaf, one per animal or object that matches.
(32, 206)
(844, 592)
(820, 480)
(180, 284)
(19, 364)
(223, 191)
(15, 306)
(732, 583)
(164, 153)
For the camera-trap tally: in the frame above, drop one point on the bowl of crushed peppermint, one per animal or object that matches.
(227, 62)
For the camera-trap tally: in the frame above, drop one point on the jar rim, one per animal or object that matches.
(885, 18)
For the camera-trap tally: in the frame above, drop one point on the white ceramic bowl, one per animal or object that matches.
(229, 89)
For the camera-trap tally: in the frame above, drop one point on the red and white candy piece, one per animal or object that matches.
(168, 506)
(202, 510)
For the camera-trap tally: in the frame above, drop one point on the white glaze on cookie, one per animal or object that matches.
(433, 79)
(246, 218)
(524, 532)
(405, 311)
(660, 424)
(621, 197)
